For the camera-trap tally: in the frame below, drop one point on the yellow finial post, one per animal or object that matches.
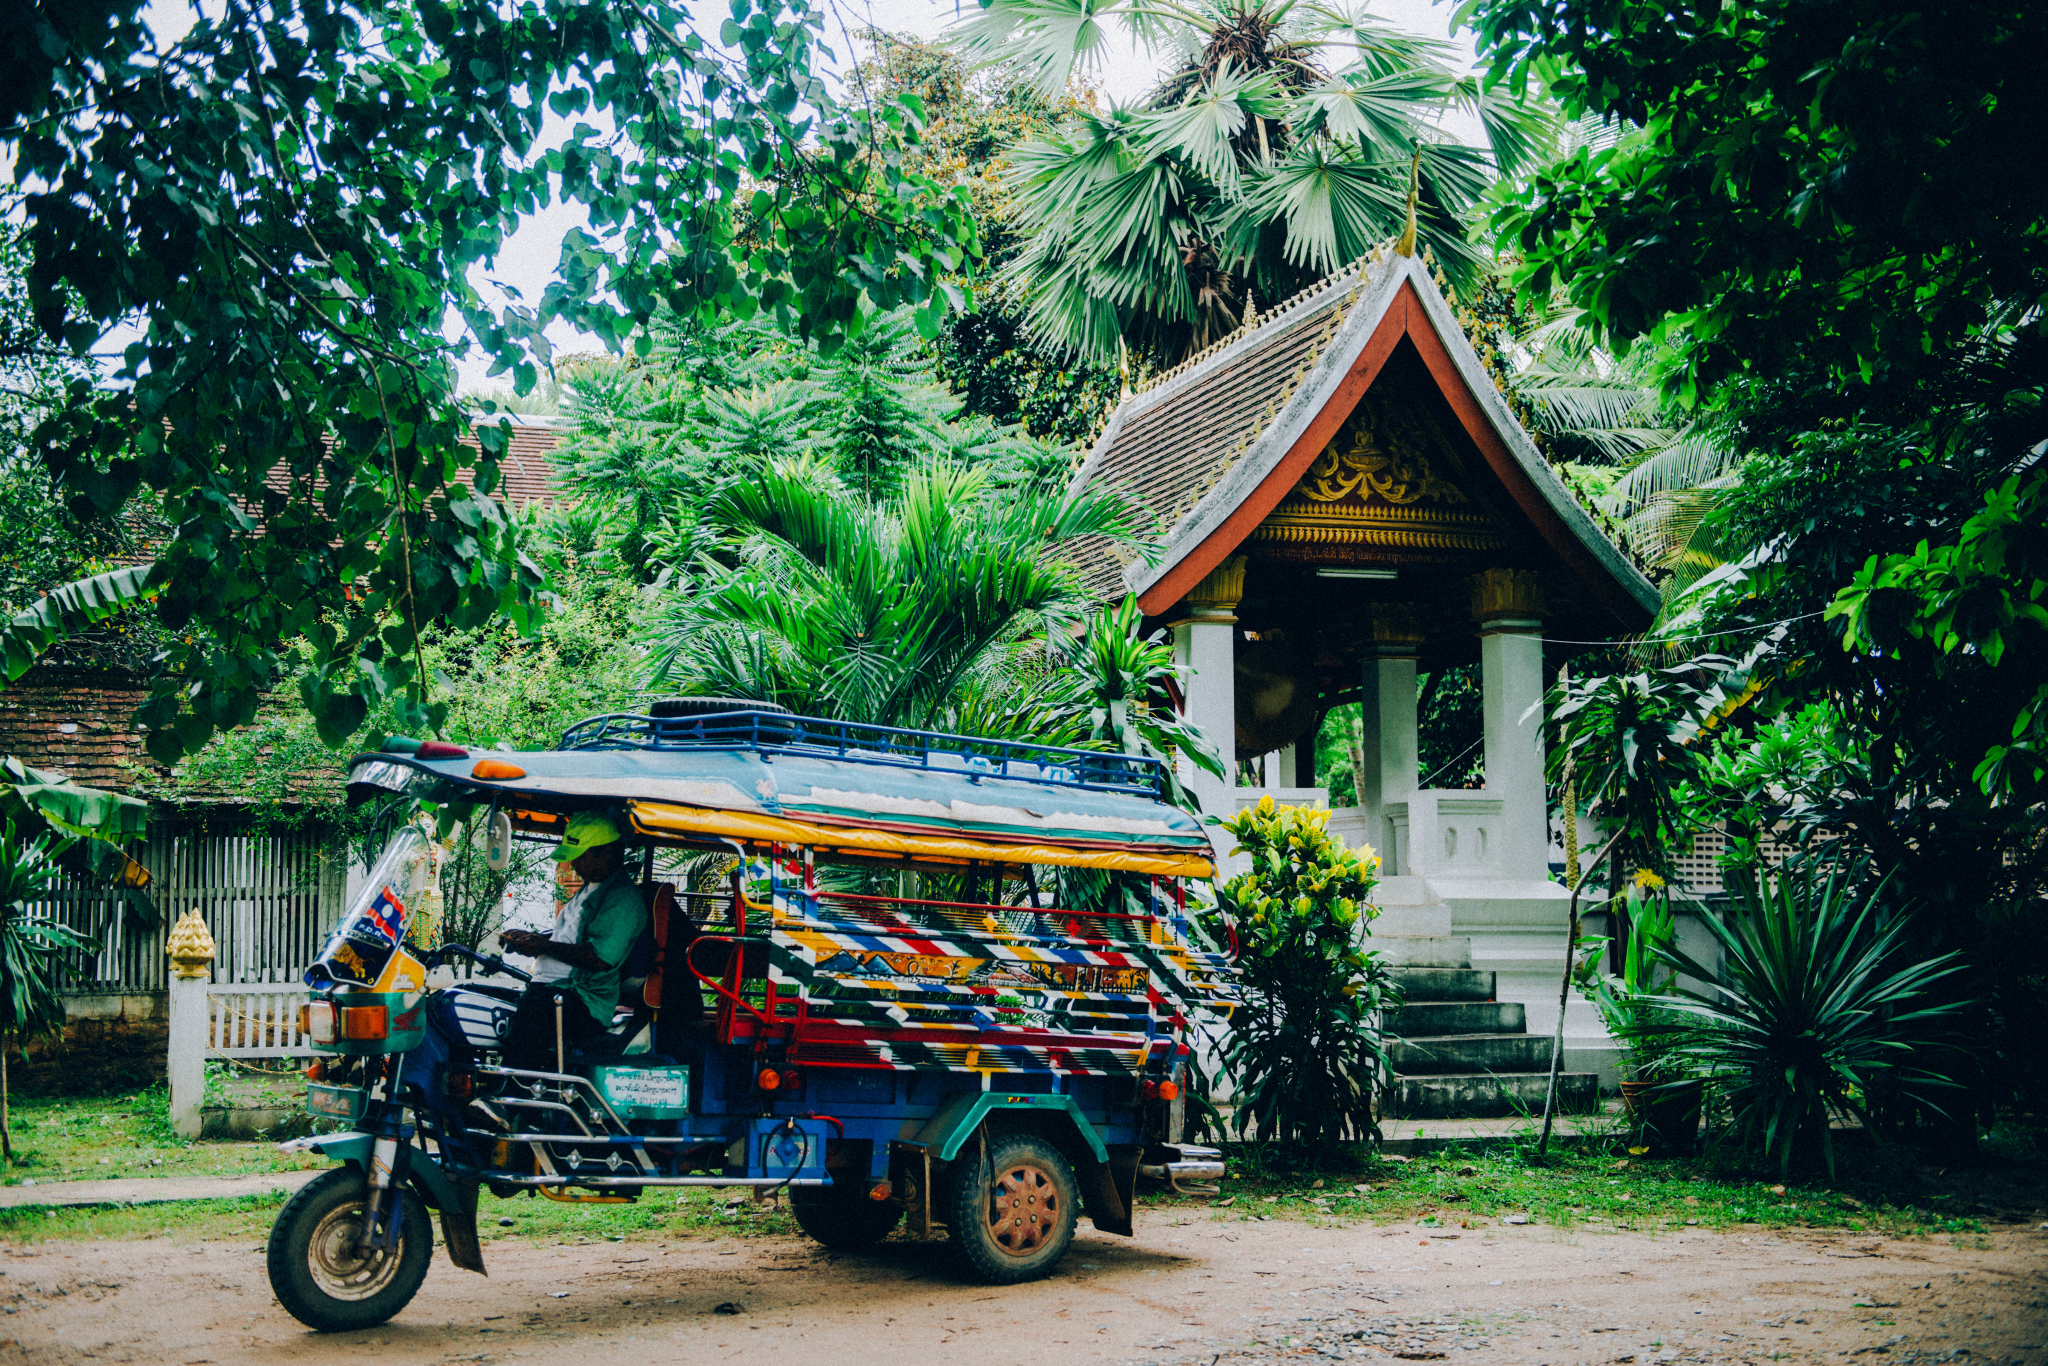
(1123, 369)
(1406, 246)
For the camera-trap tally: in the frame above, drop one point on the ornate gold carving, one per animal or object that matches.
(1380, 452)
(1366, 532)
(1216, 597)
(190, 945)
(1397, 628)
(1499, 593)
(1383, 492)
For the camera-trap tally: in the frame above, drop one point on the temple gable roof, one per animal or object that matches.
(1217, 446)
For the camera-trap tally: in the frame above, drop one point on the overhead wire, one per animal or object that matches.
(1703, 635)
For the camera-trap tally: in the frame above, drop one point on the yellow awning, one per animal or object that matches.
(663, 818)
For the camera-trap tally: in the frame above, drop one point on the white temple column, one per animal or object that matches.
(1389, 745)
(1507, 604)
(1206, 643)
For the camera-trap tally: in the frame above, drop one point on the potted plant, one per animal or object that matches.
(1662, 1104)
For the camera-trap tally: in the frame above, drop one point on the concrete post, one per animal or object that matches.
(1507, 604)
(191, 952)
(1206, 642)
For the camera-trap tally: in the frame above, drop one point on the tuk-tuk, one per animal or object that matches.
(870, 1000)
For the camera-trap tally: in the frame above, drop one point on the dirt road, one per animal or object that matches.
(1191, 1290)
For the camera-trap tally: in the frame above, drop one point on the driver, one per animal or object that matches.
(578, 965)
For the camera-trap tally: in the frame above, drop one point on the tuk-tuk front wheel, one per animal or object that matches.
(320, 1275)
(1011, 1214)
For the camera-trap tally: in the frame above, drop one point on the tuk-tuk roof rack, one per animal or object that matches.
(851, 742)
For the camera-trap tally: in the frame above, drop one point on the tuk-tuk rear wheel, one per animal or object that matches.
(319, 1275)
(1011, 1212)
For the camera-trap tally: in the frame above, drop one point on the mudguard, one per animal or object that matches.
(963, 1113)
(1107, 1177)
(456, 1200)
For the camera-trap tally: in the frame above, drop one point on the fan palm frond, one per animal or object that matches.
(1522, 132)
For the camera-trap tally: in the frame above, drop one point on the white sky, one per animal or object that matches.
(528, 259)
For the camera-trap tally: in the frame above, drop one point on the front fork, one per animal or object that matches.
(390, 1157)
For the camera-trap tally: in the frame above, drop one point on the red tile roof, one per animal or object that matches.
(76, 722)
(527, 475)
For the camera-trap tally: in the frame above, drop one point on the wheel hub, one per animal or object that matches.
(340, 1266)
(1023, 1208)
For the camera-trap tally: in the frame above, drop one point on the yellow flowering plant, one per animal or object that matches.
(1306, 1050)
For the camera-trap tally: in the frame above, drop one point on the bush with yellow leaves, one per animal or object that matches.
(1306, 1049)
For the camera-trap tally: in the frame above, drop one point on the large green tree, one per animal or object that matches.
(975, 121)
(291, 198)
(1822, 192)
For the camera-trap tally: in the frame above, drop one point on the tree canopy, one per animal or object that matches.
(1824, 191)
(287, 202)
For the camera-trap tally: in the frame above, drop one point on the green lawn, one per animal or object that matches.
(657, 1216)
(1587, 1187)
(1584, 1185)
(104, 1139)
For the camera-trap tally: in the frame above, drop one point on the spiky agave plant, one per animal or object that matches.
(1817, 1003)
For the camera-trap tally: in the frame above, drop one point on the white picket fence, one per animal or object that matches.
(255, 1020)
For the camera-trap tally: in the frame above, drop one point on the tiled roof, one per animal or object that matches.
(527, 473)
(1167, 445)
(75, 722)
(79, 723)
(526, 477)
(1214, 445)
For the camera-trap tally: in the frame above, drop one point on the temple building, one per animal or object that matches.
(1347, 499)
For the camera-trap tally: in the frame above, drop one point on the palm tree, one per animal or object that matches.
(1671, 469)
(1279, 145)
(901, 612)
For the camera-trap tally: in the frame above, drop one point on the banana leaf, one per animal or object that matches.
(66, 611)
(99, 822)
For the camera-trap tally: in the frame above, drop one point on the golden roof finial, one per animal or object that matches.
(1251, 309)
(1406, 246)
(1123, 369)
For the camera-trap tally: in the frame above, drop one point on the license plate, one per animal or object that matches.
(336, 1102)
(648, 1092)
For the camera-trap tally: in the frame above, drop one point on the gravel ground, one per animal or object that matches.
(1195, 1288)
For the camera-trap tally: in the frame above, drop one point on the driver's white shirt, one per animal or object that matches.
(567, 924)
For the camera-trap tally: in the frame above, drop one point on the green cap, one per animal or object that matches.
(586, 832)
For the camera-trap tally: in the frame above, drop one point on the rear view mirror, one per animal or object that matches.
(498, 854)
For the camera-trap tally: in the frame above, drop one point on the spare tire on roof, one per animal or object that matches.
(666, 707)
(722, 718)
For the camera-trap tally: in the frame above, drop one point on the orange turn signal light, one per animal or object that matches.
(365, 1022)
(497, 770)
(317, 1070)
(882, 1191)
(768, 1079)
(1168, 1090)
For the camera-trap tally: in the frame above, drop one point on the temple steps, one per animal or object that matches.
(1457, 1052)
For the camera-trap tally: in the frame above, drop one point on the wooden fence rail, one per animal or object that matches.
(260, 1020)
(268, 897)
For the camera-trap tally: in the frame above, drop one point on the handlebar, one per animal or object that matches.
(487, 963)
